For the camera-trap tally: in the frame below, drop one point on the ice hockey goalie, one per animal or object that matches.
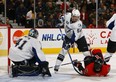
(27, 57)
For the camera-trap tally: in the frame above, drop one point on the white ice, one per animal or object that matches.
(65, 74)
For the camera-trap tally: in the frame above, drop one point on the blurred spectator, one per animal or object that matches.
(112, 7)
(91, 7)
(91, 26)
(17, 3)
(59, 2)
(1, 23)
(15, 21)
(84, 16)
(92, 23)
(40, 7)
(40, 20)
(11, 10)
(73, 5)
(84, 26)
(1, 7)
(21, 15)
(50, 21)
(52, 9)
(102, 8)
(107, 3)
(62, 6)
(31, 6)
(8, 23)
(30, 16)
(26, 3)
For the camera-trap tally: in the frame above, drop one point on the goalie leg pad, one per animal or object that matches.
(24, 70)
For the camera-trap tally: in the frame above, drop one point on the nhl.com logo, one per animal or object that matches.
(18, 34)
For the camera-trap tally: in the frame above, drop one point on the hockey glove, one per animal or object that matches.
(60, 21)
(45, 69)
(78, 65)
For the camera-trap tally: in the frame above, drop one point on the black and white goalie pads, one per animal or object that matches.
(27, 70)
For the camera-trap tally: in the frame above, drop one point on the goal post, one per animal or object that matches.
(5, 44)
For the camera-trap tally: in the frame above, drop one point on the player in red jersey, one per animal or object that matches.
(94, 65)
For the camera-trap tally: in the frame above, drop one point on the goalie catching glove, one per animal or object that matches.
(45, 69)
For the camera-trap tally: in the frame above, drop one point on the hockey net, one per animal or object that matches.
(4, 48)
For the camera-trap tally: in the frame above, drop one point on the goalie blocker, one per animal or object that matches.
(94, 65)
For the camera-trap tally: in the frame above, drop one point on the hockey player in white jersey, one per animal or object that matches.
(74, 34)
(25, 54)
(111, 47)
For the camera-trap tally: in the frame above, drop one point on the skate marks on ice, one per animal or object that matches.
(54, 78)
(65, 74)
(3, 70)
(61, 76)
(76, 77)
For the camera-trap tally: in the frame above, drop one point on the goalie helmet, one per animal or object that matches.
(75, 12)
(33, 33)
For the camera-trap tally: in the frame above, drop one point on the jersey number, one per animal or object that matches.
(21, 46)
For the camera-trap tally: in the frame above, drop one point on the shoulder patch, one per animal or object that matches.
(79, 25)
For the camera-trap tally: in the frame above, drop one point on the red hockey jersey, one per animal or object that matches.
(88, 71)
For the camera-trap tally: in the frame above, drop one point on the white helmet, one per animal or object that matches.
(75, 12)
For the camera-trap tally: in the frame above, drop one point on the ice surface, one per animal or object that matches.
(65, 74)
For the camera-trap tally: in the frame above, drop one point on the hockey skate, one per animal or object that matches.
(107, 57)
(56, 68)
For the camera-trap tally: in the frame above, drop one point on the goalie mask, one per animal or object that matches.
(33, 33)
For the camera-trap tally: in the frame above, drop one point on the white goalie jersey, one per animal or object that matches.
(73, 30)
(26, 48)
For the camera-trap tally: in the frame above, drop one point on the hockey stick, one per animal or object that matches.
(60, 31)
(65, 64)
(73, 65)
(61, 64)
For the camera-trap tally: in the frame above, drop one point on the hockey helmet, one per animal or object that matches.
(75, 12)
(98, 65)
(33, 33)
